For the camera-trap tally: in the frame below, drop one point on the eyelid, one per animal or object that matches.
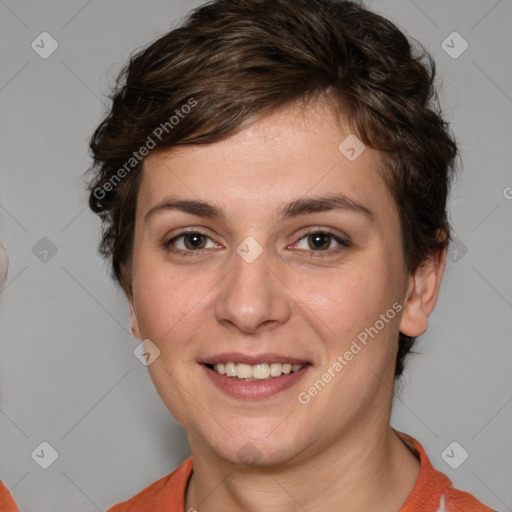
(194, 231)
(342, 239)
(311, 230)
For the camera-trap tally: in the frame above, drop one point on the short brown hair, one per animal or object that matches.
(234, 61)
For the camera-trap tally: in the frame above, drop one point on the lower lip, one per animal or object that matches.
(253, 388)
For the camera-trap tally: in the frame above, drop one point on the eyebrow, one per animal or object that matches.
(295, 208)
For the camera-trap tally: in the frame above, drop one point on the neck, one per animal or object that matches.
(361, 471)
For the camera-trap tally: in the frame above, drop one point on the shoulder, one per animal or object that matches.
(454, 500)
(165, 495)
(434, 491)
(7, 503)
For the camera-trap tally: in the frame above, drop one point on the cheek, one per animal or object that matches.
(163, 299)
(348, 298)
(355, 312)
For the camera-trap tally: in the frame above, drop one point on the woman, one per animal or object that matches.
(273, 179)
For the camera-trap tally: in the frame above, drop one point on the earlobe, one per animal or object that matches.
(422, 293)
(133, 319)
(128, 290)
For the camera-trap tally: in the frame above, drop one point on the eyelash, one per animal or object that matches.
(327, 252)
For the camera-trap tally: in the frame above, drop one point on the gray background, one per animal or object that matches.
(68, 375)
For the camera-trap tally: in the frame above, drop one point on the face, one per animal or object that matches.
(267, 269)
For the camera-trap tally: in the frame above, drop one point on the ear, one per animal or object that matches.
(126, 284)
(422, 293)
(133, 315)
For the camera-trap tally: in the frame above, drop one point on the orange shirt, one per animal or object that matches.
(7, 504)
(433, 491)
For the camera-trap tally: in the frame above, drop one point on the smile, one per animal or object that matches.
(254, 376)
(255, 372)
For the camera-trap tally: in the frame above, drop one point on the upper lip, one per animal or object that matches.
(252, 359)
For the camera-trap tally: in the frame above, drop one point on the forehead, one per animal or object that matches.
(292, 153)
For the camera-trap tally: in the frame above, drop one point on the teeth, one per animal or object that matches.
(261, 371)
(230, 369)
(276, 369)
(244, 371)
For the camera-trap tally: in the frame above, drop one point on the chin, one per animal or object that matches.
(249, 447)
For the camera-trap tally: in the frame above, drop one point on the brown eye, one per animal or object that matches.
(322, 242)
(319, 241)
(194, 241)
(189, 242)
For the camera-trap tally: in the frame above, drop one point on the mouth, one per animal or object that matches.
(244, 376)
(254, 372)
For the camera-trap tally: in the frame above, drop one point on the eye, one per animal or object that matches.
(322, 241)
(319, 241)
(188, 242)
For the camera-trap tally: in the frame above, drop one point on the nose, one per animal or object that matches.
(252, 297)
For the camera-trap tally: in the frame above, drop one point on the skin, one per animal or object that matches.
(294, 300)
